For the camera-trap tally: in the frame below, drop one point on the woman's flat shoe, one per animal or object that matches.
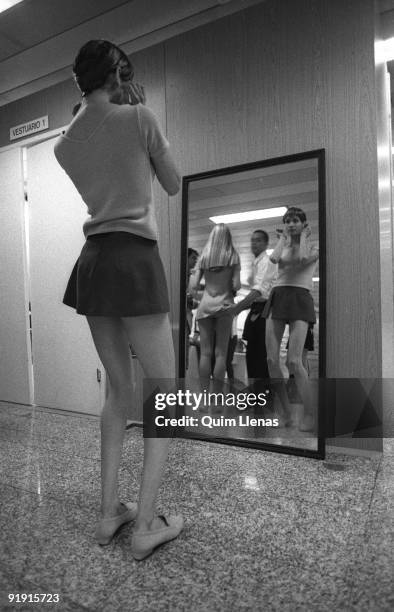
(107, 527)
(144, 543)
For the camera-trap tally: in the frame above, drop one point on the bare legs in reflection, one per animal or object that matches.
(214, 339)
(274, 333)
(298, 331)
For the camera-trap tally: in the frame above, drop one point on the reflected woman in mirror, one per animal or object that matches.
(111, 151)
(291, 302)
(219, 264)
(191, 303)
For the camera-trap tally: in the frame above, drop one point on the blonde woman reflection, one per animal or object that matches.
(220, 266)
(291, 302)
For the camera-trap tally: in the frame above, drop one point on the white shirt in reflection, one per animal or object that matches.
(262, 275)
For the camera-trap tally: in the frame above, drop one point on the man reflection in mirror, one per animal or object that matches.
(260, 281)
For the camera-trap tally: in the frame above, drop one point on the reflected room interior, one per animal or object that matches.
(249, 199)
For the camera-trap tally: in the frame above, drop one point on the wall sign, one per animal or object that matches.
(25, 129)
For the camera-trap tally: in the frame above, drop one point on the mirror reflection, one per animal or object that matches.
(252, 303)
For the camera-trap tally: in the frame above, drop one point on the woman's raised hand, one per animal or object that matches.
(283, 234)
(135, 93)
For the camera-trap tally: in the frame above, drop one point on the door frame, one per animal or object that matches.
(27, 143)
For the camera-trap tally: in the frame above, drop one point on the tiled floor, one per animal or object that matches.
(264, 531)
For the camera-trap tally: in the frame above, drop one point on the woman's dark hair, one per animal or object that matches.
(95, 61)
(293, 211)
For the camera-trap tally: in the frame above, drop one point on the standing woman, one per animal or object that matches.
(220, 265)
(291, 302)
(111, 152)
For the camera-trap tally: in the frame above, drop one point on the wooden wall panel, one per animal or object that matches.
(149, 70)
(281, 78)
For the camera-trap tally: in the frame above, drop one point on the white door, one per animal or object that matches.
(15, 350)
(65, 363)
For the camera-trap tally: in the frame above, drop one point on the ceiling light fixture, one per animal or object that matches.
(6, 4)
(250, 215)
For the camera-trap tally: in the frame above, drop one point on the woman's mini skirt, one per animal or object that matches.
(213, 306)
(118, 274)
(290, 304)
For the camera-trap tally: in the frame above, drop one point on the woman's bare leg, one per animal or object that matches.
(273, 337)
(298, 331)
(207, 335)
(113, 348)
(223, 325)
(151, 338)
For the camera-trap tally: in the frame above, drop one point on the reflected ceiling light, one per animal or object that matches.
(6, 4)
(316, 279)
(384, 50)
(250, 215)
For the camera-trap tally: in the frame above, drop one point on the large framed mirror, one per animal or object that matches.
(252, 317)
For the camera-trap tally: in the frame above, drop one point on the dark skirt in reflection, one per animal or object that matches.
(290, 304)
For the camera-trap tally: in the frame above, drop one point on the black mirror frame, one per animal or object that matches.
(319, 155)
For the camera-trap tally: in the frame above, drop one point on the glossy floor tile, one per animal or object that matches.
(263, 531)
